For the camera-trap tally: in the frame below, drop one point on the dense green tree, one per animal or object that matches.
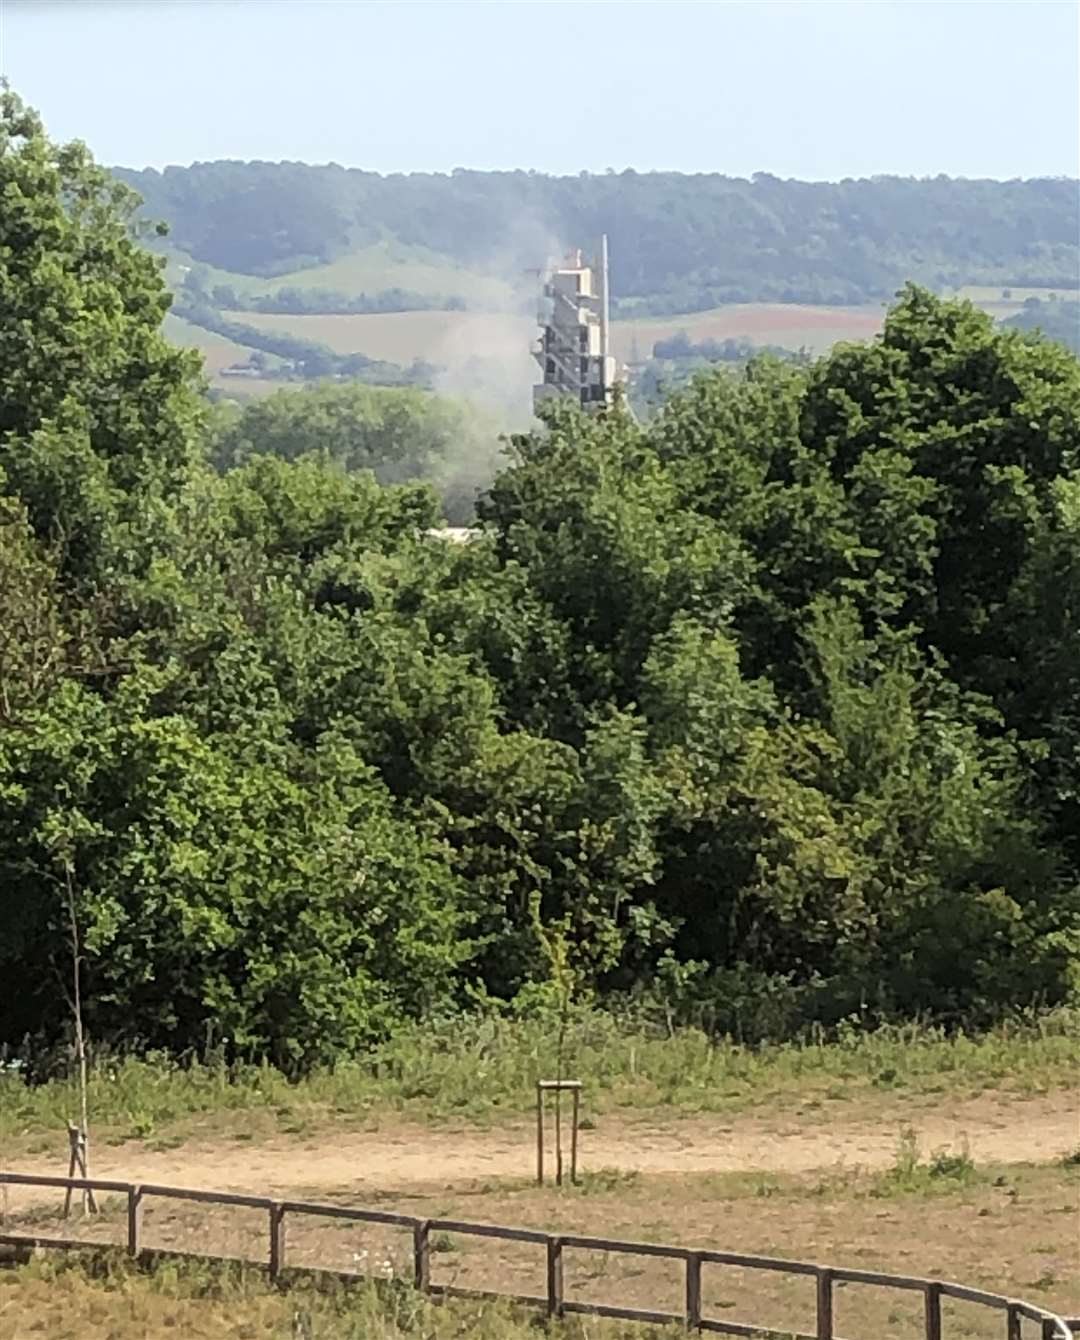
(223, 887)
(99, 414)
(398, 434)
(884, 519)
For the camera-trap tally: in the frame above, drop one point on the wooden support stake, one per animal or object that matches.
(554, 1277)
(277, 1240)
(134, 1221)
(558, 1087)
(539, 1134)
(77, 1166)
(573, 1138)
(73, 1145)
(825, 1305)
(422, 1256)
(558, 1134)
(933, 1311)
(693, 1291)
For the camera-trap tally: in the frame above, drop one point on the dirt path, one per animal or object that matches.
(995, 1128)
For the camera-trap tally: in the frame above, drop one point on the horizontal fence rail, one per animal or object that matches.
(1015, 1311)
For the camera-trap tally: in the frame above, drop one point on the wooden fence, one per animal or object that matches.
(1015, 1312)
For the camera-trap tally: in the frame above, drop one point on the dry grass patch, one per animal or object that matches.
(107, 1299)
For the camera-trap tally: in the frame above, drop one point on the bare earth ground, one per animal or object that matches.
(811, 1184)
(994, 1127)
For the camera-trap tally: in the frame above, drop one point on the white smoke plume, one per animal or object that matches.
(486, 359)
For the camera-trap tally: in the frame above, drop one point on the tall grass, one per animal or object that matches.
(484, 1068)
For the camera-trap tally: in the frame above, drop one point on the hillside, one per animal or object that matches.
(683, 243)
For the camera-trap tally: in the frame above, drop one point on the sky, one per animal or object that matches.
(809, 90)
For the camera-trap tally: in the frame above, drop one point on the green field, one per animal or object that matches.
(434, 337)
(217, 351)
(368, 270)
(393, 265)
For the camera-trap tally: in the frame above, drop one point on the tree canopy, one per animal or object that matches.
(771, 701)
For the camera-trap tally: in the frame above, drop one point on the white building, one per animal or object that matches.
(574, 350)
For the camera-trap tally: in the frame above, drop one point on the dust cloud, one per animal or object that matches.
(485, 359)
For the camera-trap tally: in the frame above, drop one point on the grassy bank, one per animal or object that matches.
(482, 1070)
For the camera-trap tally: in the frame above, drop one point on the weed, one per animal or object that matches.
(600, 1181)
(906, 1164)
(957, 1166)
(912, 1175)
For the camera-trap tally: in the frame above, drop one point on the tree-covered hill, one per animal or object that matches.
(1056, 320)
(682, 243)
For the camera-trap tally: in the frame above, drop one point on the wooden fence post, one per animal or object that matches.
(422, 1256)
(693, 1291)
(933, 1311)
(277, 1240)
(825, 1304)
(554, 1277)
(1014, 1323)
(134, 1216)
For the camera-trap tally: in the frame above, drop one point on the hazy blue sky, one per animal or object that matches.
(817, 90)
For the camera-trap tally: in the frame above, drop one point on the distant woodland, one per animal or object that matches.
(683, 243)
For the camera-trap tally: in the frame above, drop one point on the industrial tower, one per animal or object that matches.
(574, 350)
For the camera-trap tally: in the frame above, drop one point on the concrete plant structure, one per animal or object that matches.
(574, 350)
